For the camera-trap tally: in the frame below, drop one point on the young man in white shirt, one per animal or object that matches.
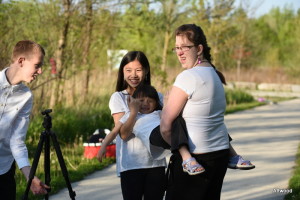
(15, 107)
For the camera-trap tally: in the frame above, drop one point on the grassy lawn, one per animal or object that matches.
(294, 182)
(242, 106)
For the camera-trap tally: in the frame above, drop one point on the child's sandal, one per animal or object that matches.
(192, 169)
(238, 162)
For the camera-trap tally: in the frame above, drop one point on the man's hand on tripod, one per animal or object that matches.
(38, 187)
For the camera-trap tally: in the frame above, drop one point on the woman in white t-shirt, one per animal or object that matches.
(142, 177)
(198, 95)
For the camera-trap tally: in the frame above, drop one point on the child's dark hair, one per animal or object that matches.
(144, 90)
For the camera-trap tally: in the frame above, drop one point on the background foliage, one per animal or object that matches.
(77, 35)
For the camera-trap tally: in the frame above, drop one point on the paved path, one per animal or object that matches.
(101, 185)
(267, 135)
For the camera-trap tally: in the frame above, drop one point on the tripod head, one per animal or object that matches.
(46, 112)
(47, 123)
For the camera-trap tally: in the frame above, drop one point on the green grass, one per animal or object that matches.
(237, 96)
(73, 125)
(294, 182)
(238, 100)
(242, 106)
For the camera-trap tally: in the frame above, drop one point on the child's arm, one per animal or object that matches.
(126, 129)
(107, 140)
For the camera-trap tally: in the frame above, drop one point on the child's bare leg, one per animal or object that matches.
(190, 164)
(232, 152)
(184, 152)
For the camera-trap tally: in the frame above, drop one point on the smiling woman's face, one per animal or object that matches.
(133, 73)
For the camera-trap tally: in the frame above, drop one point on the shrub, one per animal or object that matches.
(237, 96)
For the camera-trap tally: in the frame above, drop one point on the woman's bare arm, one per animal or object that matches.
(172, 108)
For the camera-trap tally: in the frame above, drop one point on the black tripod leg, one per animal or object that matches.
(34, 164)
(47, 163)
(63, 167)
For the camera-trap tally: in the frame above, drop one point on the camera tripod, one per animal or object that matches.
(45, 138)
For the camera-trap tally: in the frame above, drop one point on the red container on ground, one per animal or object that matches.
(91, 150)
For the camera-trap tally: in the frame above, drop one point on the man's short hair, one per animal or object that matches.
(26, 48)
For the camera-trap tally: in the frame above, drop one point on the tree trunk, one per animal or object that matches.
(62, 42)
(87, 44)
(169, 8)
(241, 51)
(165, 50)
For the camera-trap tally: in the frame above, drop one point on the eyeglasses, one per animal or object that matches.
(183, 48)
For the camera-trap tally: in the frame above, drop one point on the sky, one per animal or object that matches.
(261, 7)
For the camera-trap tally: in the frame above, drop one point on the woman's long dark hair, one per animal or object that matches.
(129, 57)
(144, 90)
(196, 35)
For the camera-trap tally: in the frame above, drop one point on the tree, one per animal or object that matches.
(171, 13)
(57, 90)
(220, 29)
(240, 41)
(169, 16)
(87, 43)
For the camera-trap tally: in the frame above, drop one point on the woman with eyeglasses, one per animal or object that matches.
(198, 95)
(142, 177)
